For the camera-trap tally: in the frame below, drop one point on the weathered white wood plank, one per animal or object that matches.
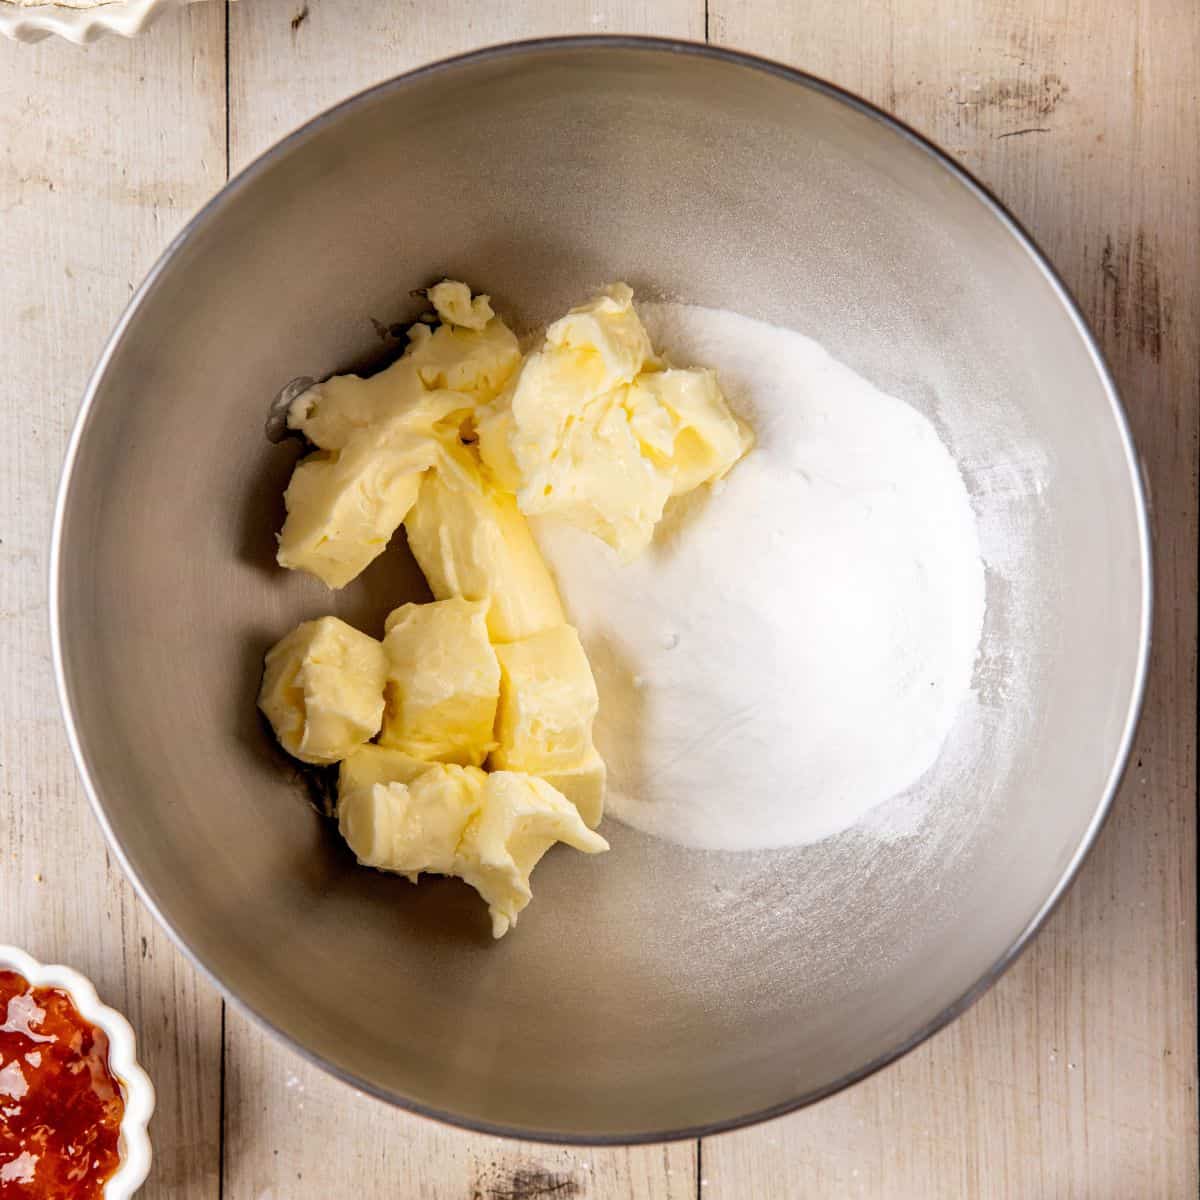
(291, 1131)
(1076, 1076)
(105, 152)
(290, 59)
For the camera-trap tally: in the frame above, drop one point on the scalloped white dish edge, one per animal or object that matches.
(81, 25)
(134, 1141)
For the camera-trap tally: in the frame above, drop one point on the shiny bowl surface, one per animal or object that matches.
(656, 992)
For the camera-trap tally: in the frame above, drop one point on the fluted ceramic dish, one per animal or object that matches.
(31, 23)
(136, 1088)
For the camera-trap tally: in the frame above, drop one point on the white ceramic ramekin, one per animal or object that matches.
(31, 23)
(134, 1142)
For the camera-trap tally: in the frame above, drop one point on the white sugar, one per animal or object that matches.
(794, 651)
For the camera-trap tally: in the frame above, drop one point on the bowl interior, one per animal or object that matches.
(655, 990)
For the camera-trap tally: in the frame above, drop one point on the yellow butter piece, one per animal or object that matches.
(389, 405)
(475, 362)
(600, 480)
(595, 431)
(605, 338)
(454, 304)
(322, 690)
(682, 421)
(344, 505)
(411, 824)
(376, 436)
(470, 540)
(548, 703)
(400, 814)
(520, 817)
(443, 681)
(363, 768)
(583, 784)
(591, 351)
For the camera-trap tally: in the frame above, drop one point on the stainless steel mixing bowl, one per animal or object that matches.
(656, 992)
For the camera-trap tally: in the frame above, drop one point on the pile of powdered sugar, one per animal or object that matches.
(795, 647)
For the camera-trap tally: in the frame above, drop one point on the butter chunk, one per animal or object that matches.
(392, 403)
(376, 437)
(474, 362)
(455, 306)
(322, 690)
(519, 819)
(583, 784)
(473, 356)
(413, 823)
(594, 349)
(443, 681)
(605, 338)
(548, 703)
(594, 429)
(400, 814)
(683, 422)
(344, 505)
(562, 437)
(599, 480)
(470, 540)
(371, 764)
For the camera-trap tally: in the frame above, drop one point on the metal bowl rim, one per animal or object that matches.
(585, 44)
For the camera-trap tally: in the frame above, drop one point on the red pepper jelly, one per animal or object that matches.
(60, 1105)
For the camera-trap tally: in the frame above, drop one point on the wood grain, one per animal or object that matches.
(1076, 1075)
(292, 1131)
(289, 59)
(105, 153)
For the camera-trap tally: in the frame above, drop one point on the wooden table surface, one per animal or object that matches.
(1076, 1075)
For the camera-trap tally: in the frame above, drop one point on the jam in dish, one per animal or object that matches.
(60, 1105)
